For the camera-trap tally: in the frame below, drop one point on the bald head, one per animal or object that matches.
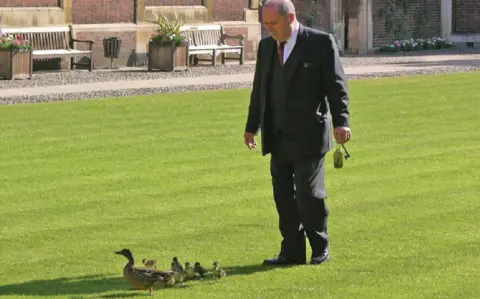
(284, 7)
(279, 18)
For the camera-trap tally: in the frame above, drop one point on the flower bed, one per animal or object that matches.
(408, 45)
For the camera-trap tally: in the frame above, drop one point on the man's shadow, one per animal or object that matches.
(71, 286)
(251, 269)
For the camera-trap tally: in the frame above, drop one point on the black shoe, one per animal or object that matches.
(283, 261)
(320, 259)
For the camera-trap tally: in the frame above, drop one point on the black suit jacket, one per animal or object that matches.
(312, 74)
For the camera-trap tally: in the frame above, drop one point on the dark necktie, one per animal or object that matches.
(281, 47)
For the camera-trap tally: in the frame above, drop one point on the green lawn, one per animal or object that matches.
(169, 176)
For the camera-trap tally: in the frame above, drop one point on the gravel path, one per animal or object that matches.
(200, 87)
(78, 77)
(75, 77)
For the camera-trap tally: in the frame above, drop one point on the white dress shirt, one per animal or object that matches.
(290, 43)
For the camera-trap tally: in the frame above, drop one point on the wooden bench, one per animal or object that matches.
(211, 40)
(53, 42)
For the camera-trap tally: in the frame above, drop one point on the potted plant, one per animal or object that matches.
(15, 57)
(168, 47)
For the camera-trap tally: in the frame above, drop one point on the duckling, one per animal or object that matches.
(198, 269)
(149, 263)
(218, 272)
(145, 278)
(189, 271)
(178, 266)
(178, 275)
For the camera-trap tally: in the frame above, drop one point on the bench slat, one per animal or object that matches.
(49, 40)
(190, 36)
(54, 41)
(33, 39)
(207, 37)
(43, 39)
(66, 42)
(40, 42)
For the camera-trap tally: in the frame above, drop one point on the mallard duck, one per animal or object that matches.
(218, 271)
(149, 263)
(189, 271)
(145, 278)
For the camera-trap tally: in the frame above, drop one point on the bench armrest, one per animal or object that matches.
(83, 41)
(90, 42)
(239, 37)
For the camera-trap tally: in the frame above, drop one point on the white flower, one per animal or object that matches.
(170, 37)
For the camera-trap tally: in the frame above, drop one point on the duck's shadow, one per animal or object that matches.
(79, 285)
(97, 284)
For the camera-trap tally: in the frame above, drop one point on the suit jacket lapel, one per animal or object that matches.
(295, 56)
(270, 46)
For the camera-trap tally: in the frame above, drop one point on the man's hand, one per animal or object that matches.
(342, 134)
(250, 140)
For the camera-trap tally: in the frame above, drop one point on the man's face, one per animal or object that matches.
(278, 26)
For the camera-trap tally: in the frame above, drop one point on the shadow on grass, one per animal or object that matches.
(444, 63)
(96, 284)
(90, 284)
(125, 295)
(251, 269)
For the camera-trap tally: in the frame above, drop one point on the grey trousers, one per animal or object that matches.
(299, 193)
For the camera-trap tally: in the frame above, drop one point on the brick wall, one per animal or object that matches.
(127, 48)
(28, 3)
(320, 11)
(248, 44)
(230, 10)
(102, 11)
(414, 27)
(172, 2)
(466, 16)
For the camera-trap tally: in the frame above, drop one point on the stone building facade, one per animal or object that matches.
(131, 21)
(360, 26)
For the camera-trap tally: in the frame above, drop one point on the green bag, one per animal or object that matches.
(338, 156)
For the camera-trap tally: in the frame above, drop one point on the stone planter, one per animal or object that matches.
(15, 64)
(167, 57)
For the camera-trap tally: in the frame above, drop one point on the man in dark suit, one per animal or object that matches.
(299, 91)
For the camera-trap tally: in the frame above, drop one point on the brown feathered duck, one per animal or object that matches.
(145, 278)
